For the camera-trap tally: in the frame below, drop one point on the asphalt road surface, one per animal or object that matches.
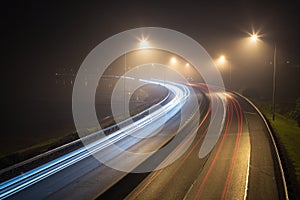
(242, 164)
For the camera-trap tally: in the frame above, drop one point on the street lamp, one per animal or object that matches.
(274, 82)
(254, 38)
(173, 60)
(222, 61)
(144, 43)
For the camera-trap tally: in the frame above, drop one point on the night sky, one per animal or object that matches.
(41, 37)
(50, 34)
(54, 33)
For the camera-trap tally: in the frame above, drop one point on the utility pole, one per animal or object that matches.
(274, 83)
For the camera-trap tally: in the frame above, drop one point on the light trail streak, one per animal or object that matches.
(233, 108)
(238, 111)
(141, 187)
(158, 172)
(239, 114)
(16, 184)
(200, 189)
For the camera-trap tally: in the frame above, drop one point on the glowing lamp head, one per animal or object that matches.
(173, 60)
(144, 43)
(222, 59)
(254, 37)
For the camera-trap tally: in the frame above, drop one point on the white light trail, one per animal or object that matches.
(16, 184)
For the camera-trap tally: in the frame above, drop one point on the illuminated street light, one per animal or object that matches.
(173, 60)
(222, 59)
(254, 38)
(221, 62)
(144, 43)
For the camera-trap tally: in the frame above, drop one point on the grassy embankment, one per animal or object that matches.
(288, 132)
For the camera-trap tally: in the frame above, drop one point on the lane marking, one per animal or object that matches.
(247, 176)
(248, 164)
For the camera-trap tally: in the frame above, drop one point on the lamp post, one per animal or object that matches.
(274, 83)
(143, 43)
(124, 83)
(222, 61)
(254, 38)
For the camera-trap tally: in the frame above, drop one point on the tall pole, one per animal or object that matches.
(274, 83)
(229, 76)
(124, 82)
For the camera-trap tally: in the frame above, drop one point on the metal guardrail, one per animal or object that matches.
(80, 140)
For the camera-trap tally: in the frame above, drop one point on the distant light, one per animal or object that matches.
(222, 59)
(187, 64)
(144, 43)
(254, 37)
(173, 60)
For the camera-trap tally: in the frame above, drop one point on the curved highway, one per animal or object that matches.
(243, 164)
(26, 185)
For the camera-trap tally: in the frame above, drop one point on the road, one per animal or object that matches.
(241, 165)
